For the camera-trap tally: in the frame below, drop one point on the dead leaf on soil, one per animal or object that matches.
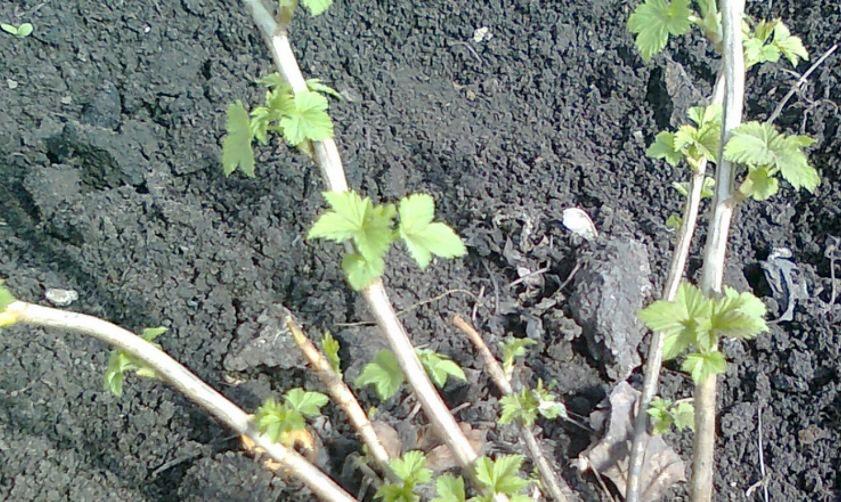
(609, 457)
(389, 438)
(439, 458)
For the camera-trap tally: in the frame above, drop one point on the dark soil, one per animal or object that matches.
(111, 186)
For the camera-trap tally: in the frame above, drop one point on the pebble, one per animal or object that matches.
(61, 297)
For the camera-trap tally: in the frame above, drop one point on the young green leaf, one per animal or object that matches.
(120, 363)
(661, 418)
(654, 20)
(308, 120)
(511, 349)
(519, 406)
(397, 492)
(274, 419)
(664, 148)
(549, 406)
(791, 47)
(411, 467)
(330, 347)
(21, 31)
(6, 297)
(150, 334)
(449, 489)
(683, 415)
(707, 188)
(317, 7)
(316, 85)
(703, 364)
(360, 272)
(236, 147)
(439, 367)
(674, 222)
(353, 217)
(383, 373)
(759, 184)
(738, 315)
(306, 403)
(501, 476)
(424, 238)
(681, 321)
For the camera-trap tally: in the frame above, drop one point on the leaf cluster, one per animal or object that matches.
(766, 153)
(501, 477)
(370, 227)
(121, 363)
(385, 375)
(315, 7)
(692, 321)
(692, 143)
(524, 406)
(280, 421)
(666, 414)
(770, 40)
(299, 117)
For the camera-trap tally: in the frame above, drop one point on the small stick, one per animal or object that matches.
(799, 84)
(172, 372)
(556, 487)
(341, 395)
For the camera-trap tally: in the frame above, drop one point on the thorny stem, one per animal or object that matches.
(171, 371)
(712, 273)
(342, 396)
(551, 481)
(327, 157)
(654, 360)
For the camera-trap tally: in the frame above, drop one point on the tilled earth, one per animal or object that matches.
(111, 186)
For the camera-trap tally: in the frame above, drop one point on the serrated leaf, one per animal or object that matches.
(757, 52)
(683, 416)
(674, 222)
(150, 334)
(308, 120)
(794, 168)
(274, 419)
(316, 85)
(330, 347)
(360, 272)
(376, 235)
(511, 349)
(236, 146)
(738, 315)
(754, 143)
(317, 7)
(501, 476)
(118, 365)
(345, 220)
(681, 321)
(422, 237)
(661, 419)
(702, 365)
(520, 406)
(411, 468)
(664, 148)
(439, 367)
(383, 373)
(449, 489)
(396, 492)
(791, 47)
(272, 81)
(760, 184)
(654, 20)
(306, 403)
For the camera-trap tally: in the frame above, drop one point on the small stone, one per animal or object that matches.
(66, 100)
(482, 34)
(61, 297)
(13, 84)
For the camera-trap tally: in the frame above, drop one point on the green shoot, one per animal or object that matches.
(120, 363)
(524, 406)
(280, 421)
(501, 477)
(693, 321)
(370, 227)
(709, 21)
(439, 367)
(330, 347)
(654, 20)
(6, 299)
(316, 85)
(766, 152)
(666, 414)
(317, 7)
(385, 375)
(511, 349)
(411, 470)
(21, 31)
(761, 47)
(450, 489)
(707, 189)
(674, 222)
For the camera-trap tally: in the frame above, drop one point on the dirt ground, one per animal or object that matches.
(111, 186)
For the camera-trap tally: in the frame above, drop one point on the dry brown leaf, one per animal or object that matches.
(609, 457)
(301, 440)
(389, 438)
(440, 458)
